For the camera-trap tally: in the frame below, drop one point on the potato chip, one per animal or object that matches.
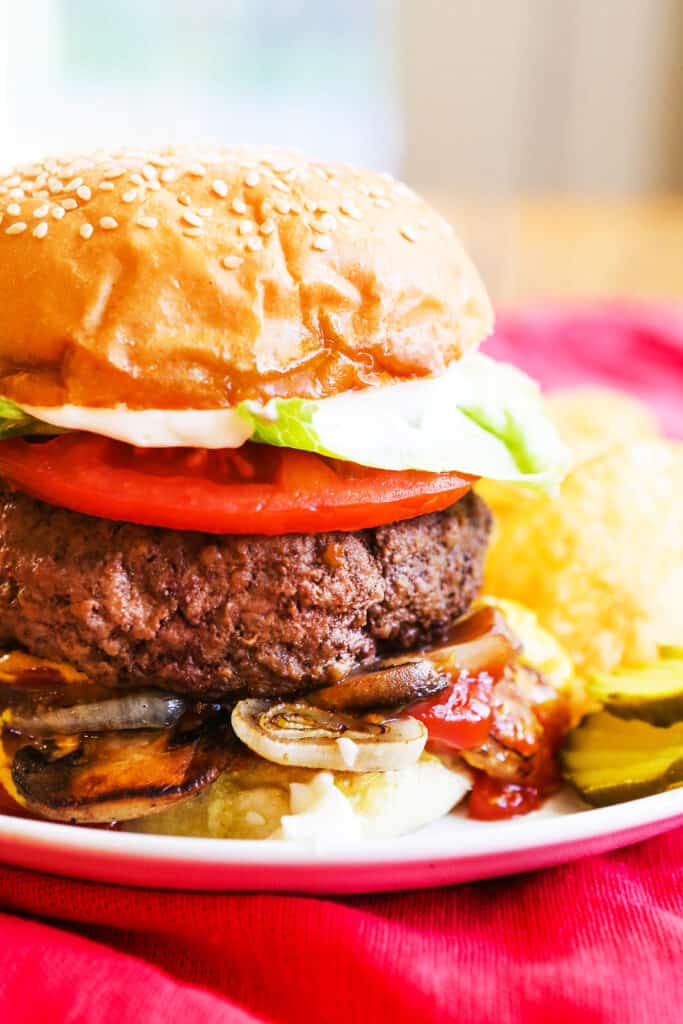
(602, 564)
(592, 420)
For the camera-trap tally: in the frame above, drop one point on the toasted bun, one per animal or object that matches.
(194, 278)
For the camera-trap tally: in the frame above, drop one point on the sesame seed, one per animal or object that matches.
(239, 205)
(246, 227)
(16, 229)
(168, 175)
(322, 242)
(376, 193)
(327, 222)
(55, 185)
(40, 230)
(408, 233)
(69, 204)
(281, 187)
(130, 196)
(252, 179)
(196, 170)
(113, 172)
(83, 192)
(383, 203)
(106, 186)
(232, 262)
(282, 205)
(185, 199)
(41, 211)
(281, 166)
(253, 243)
(14, 210)
(220, 188)
(58, 212)
(137, 179)
(205, 211)
(266, 208)
(13, 181)
(193, 232)
(108, 223)
(86, 231)
(350, 210)
(17, 193)
(423, 223)
(192, 219)
(147, 222)
(267, 227)
(149, 172)
(154, 185)
(73, 185)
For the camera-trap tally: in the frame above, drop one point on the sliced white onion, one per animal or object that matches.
(139, 710)
(308, 737)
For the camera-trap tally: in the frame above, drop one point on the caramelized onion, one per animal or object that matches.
(483, 642)
(143, 709)
(299, 734)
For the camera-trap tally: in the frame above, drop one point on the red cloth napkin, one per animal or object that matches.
(599, 940)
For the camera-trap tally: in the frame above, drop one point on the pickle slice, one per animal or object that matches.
(653, 692)
(609, 760)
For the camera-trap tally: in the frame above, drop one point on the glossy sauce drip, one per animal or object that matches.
(493, 799)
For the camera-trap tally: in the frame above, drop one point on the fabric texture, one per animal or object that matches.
(598, 940)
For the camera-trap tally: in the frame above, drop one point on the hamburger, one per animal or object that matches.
(241, 551)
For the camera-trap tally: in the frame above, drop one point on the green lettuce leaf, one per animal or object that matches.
(481, 417)
(14, 422)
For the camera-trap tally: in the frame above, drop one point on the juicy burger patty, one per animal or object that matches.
(221, 614)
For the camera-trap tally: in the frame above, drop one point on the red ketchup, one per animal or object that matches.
(482, 706)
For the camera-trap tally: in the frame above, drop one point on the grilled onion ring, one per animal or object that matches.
(299, 734)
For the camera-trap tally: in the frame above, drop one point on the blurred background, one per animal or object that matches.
(547, 130)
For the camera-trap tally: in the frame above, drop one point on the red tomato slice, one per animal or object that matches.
(459, 717)
(253, 489)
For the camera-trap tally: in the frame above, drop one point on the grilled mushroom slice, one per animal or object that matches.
(116, 776)
(480, 642)
(299, 734)
(382, 686)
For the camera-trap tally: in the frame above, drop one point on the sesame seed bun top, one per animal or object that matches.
(193, 278)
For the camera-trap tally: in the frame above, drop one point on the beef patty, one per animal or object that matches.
(230, 614)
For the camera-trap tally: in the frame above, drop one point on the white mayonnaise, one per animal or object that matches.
(320, 813)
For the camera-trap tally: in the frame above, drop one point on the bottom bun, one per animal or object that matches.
(260, 800)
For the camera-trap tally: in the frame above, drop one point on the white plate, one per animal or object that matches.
(454, 849)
